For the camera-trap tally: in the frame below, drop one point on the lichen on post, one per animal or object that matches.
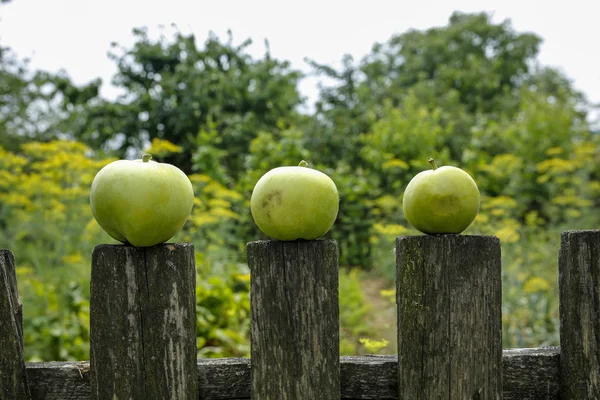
(579, 287)
(143, 323)
(449, 296)
(295, 320)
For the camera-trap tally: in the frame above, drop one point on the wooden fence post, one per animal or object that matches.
(579, 286)
(13, 377)
(143, 323)
(449, 295)
(295, 320)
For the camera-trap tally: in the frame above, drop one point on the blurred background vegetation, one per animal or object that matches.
(471, 94)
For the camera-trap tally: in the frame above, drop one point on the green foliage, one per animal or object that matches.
(47, 223)
(480, 61)
(180, 92)
(469, 94)
(56, 316)
(354, 312)
(222, 309)
(37, 105)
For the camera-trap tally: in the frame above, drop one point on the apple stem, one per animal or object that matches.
(432, 163)
(146, 157)
(303, 164)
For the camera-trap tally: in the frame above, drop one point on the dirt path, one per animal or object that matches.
(383, 317)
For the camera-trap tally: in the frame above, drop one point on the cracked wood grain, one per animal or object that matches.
(294, 320)
(143, 323)
(449, 297)
(579, 287)
(13, 378)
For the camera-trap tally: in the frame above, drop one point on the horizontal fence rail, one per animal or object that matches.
(143, 342)
(528, 374)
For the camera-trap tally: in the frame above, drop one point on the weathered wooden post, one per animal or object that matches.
(143, 323)
(13, 378)
(295, 320)
(579, 287)
(449, 295)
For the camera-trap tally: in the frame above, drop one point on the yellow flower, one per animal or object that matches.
(573, 213)
(594, 187)
(389, 229)
(536, 284)
(482, 218)
(51, 149)
(215, 203)
(24, 271)
(556, 166)
(15, 199)
(504, 202)
(532, 218)
(221, 191)
(395, 163)
(243, 277)
(503, 165)
(554, 151)
(571, 200)
(389, 294)
(223, 213)
(508, 234)
(75, 258)
(11, 161)
(91, 228)
(387, 203)
(498, 212)
(585, 150)
(373, 346)
(203, 219)
(162, 148)
(199, 178)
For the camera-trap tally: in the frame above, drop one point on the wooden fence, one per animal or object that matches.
(143, 329)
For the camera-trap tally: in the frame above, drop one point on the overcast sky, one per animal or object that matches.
(75, 35)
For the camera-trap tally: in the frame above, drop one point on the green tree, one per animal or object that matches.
(37, 105)
(340, 115)
(174, 90)
(465, 93)
(469, 67)
(480, 60)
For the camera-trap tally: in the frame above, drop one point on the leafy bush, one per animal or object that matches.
(46, 221)
(469, 94)
(222, 309)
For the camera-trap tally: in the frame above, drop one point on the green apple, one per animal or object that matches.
(441, 200)
(141, 202)
(290, 203)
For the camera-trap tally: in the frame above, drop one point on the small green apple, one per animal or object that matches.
(441, 200)
(141, 202)
(290, 203)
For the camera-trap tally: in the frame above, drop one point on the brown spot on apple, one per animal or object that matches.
(272, 199)
(446, 205)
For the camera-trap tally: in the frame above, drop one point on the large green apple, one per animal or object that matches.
(141, 202)
(441, 200)
(290, 203)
